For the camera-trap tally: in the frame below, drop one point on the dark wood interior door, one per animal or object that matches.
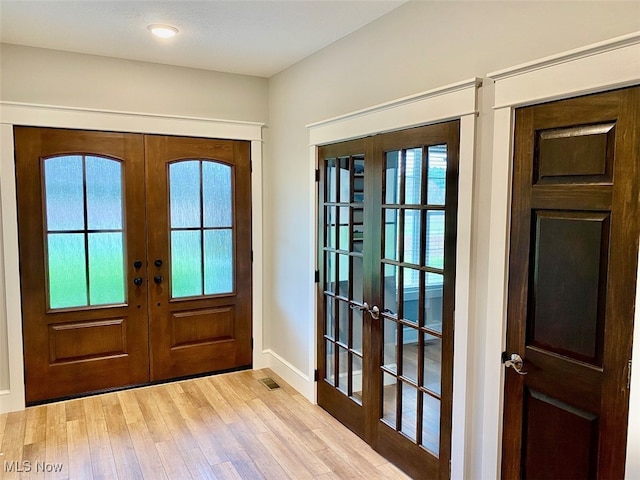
(82, 234)
(572, 276)
(199, 230)
(387, 238)
(135, 257)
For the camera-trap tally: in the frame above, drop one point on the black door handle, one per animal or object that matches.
(137, 281)
(158, 263)
(158, 279)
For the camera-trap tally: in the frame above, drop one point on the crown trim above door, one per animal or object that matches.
(12, 396)
(595, 68)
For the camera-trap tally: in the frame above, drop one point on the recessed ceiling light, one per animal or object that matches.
(162, 31)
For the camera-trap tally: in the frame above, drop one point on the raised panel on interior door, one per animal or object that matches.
(202, 326)
(78, 341)
(578, 154)
(568, 279)
(560, 441)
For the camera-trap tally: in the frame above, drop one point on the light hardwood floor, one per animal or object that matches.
(226, 426)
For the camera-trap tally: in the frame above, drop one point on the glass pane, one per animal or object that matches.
(432, 362)
(343, 322)
(343, 241)
(358, 188)
(392, 173)
(389, 395)
(343, 264)
(331, 219)
(437, 175)
(434, 249)
(356, 378)
(67, 270)
(216, 186)
(409, 410)
(343, 369)
(358, 229)
(357, 330)
(431, 423)
(330, 312)
(345, 181)
(331, 180)
(358, 289)
(390, 344)
(218, 261)
(106, 268)
(413, 176)
(64, 193)
(186, 264)
(330, 373)
(184, 192)
(104, 194)
(412, 236)
(391, 234)
(433, 301)
(391, 291)
(411, 295)
(410, 353)
(330, 272)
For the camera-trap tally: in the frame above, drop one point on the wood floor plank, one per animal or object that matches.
(146, 453)
(172, 461)
(130, 406)
(226, 471)
(127, 465)
(225, 427)
(13, 445)
(284, 456)
(78, 444)
(56, 450)
(104, 467)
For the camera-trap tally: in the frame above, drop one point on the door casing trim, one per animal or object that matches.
(455, 101)
(595, 68)
(12, 394)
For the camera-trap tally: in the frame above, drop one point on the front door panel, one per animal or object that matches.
(574, 244)
(199, 196)
(80, 205)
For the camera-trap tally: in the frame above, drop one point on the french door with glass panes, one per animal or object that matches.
(387, 243)
(135, 258)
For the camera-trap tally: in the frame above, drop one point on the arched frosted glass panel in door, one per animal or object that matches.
(202, 212)
(84, 222)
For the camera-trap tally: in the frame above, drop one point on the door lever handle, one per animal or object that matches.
(373, 311)
(514, 361)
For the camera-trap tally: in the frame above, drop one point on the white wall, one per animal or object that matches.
(420, 46)
(52, 77)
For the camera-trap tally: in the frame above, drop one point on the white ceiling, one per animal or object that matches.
(253, 37)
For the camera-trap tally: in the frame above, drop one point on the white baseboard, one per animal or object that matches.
(300, 381)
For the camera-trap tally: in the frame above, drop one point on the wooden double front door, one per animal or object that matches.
(387, 251)
(135, 258)
(572, 284)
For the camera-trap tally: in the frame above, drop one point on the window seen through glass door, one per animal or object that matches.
(343, 289)
(413, 273)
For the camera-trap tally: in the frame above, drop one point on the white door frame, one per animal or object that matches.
(456, 101)
(12, 395)
(603, 66)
